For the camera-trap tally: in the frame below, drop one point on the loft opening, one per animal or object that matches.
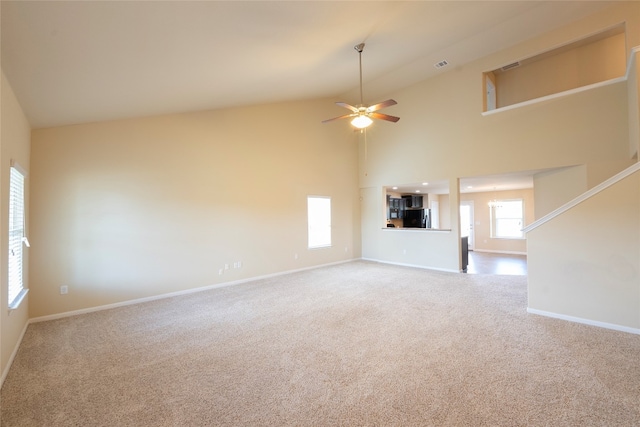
(592, 59)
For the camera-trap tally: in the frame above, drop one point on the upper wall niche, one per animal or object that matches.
(593, 59)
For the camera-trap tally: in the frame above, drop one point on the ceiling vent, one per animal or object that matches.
(441, 64)
(510, 66)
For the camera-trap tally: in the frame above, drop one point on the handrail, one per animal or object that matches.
(584, 196)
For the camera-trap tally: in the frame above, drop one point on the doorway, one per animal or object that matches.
(466, 222)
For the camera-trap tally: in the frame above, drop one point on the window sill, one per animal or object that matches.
(15, 304)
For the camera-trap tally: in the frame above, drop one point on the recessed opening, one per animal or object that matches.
(593, 59)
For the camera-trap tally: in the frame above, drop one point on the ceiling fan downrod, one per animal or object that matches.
(360, 48)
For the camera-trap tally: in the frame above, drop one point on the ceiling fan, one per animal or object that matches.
(362, 115)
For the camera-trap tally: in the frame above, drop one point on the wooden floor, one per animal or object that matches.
(492, 263)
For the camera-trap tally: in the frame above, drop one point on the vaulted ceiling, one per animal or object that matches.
(83, 61)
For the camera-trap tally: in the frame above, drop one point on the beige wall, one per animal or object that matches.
(584, 65)
(634, 103)
(136, 208)
(445, 211)
(442, 133)
(14, 145)
(555, 187)
(585, 263)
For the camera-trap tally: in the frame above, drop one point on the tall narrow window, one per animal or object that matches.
(16, 237)
(319, 221)
(507, 219)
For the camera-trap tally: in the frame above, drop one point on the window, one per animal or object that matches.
(319, 221)
(16, 237)
(507, 218)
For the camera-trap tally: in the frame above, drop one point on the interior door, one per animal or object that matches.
(466, 221)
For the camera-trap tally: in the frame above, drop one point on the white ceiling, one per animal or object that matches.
(83, 61)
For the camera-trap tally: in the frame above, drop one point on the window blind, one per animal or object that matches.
(16, 235)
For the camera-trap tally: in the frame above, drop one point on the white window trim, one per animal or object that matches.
(16, 298)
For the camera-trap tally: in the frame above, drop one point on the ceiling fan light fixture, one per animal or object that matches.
(362, 115)
(361, 122)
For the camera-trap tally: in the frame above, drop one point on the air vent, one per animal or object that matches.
(510, 66)
(441, 64)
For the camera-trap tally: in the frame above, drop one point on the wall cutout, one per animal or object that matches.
(592, 59)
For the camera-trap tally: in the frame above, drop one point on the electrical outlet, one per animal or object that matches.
(226, 266)
(64, 289)
(295, 256)
(221, 271)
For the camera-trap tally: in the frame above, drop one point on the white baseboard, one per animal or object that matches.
(174, 294)
(411, 265)
(589, 322)
(13, 354)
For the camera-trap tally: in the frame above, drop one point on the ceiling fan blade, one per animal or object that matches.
(384, 117)
(345, 105)
(381, 105)
(346, 116)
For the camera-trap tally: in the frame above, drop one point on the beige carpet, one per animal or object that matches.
(356, 344)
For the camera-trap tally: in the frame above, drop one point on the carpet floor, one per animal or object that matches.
(354, 344)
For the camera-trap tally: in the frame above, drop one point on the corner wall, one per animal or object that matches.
(14, 145)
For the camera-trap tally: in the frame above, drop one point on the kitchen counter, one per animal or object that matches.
(416, 229)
